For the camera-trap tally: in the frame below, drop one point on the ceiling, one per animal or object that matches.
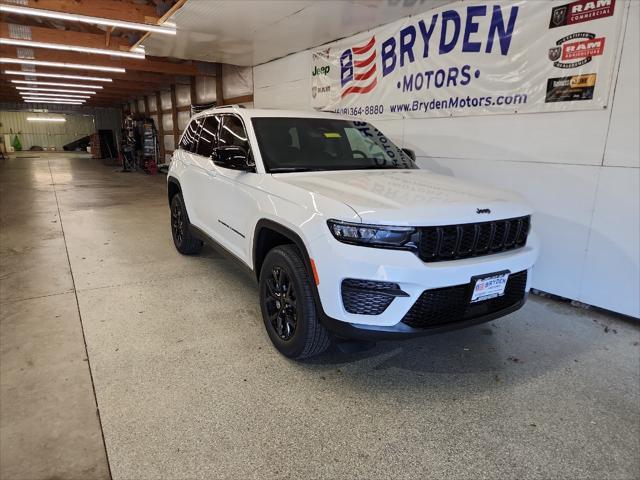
(251, 32)
(141, 76)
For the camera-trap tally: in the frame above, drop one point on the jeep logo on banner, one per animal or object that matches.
(472, 58)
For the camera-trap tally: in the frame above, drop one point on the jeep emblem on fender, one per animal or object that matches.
(482, 210)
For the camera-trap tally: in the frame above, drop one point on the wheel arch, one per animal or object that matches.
(269, 234)
(173, 187)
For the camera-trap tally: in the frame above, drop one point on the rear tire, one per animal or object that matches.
(184, 242)
(288, 307)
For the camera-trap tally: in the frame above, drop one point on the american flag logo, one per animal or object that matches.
(358, 69)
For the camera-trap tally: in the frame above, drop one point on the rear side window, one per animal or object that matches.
(233, 133)
(208, 136)
(190, 136)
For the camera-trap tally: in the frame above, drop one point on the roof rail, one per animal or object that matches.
(231, 106)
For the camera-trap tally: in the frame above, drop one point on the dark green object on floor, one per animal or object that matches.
(17, 146)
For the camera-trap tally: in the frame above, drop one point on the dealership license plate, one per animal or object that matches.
(489, 287)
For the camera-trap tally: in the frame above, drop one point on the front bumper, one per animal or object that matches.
(336, 262)
(402, 331)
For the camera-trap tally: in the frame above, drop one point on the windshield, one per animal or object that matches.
(311, 144)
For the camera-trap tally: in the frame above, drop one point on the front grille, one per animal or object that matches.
(441, 306)
(468, 240)
(367, 297)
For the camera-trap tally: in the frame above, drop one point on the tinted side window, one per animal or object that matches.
(233, 133)
(190, 139)
(208, 136)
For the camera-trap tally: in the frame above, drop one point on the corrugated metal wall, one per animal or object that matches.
(48, 135)
(81, 121)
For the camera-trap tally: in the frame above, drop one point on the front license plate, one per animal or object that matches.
(489, 287)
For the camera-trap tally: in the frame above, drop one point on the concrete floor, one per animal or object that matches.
(188, 386)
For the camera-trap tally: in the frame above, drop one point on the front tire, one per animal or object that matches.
(184, 242)
(288, 308)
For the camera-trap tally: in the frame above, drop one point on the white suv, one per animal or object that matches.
(344, 233)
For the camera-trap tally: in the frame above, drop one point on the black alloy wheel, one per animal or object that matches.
(183, 240)
(287, 303)
(177, 222)
(281, 304)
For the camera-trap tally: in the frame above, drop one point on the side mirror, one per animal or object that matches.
(410, 153)
(233, 157)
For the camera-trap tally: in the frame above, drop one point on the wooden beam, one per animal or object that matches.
(194, 93)
(176, 6)
(112, 9)
(150, 64)
(237, 100)
(174, 116)
(67, 37)
(108, 33)
(160, 127)
(128, 86)
(219, 89)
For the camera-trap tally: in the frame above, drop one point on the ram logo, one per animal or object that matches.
(482, 210)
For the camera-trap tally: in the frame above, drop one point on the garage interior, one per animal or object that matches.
(121, 358)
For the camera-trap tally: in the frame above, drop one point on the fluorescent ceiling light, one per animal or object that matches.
(86, 19)
(71, 48)
(48, 99)
(31, 94)
(60, 102)
(46, 119)
(55, 90)
(56, 75)
(56, 84)
(79, 66)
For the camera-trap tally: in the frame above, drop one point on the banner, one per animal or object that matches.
(479, 58)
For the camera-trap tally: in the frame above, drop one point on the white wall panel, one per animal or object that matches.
(167, 122)
(291, 95)
(140, 104)
(206, 89)
(165, 100)
(548, 137)
(152, 103)
(283, 83)
(623, 145)
(183, 95)
(292, 67)
(236, 81)
(183, 119)
(611, 276)
(168, 142)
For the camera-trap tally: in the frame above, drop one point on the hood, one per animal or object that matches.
(410, 197)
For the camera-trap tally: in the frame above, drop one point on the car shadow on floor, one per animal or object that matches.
(516, 349)
(541, 337)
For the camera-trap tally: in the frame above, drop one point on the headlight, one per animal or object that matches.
(373, 235)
